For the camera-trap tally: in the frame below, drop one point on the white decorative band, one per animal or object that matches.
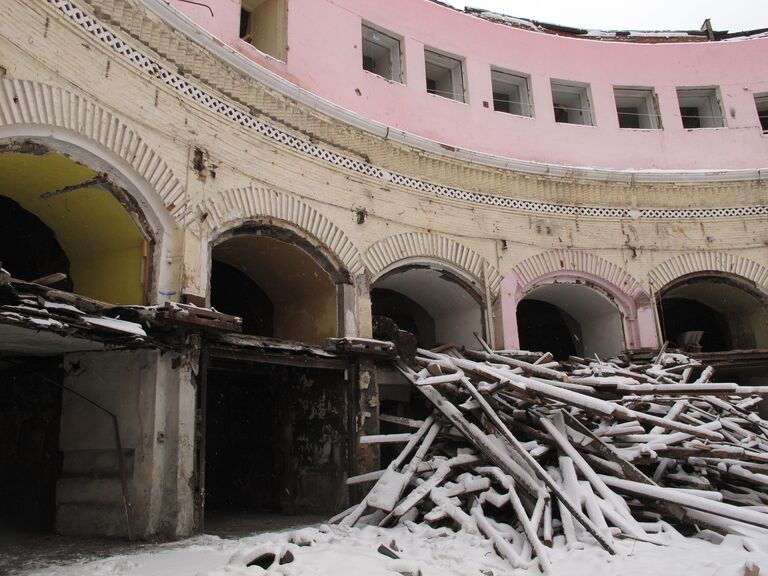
(242, 118)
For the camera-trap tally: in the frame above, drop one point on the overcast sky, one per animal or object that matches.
(733, 15)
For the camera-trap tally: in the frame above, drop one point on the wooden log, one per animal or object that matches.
(526, 367)
(363, 478)
(458, 515)
(737, 513)
(385, 495)
(530, 531)
(557, 432)
(504, 548)
(475, 436)
(423, 490)
(540, 471)
(356, 512)
(386, 438)
(407, 422)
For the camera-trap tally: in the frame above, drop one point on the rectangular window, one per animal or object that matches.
(572, 103)
(637, 108)
(263, 25)
(445, 76)
(700, 108)
(761, 101)
(381, 54)
(511, 93)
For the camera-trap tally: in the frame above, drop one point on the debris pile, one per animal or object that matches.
(539, 454)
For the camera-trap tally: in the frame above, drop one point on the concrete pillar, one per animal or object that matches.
(364, 316)
(152, 396)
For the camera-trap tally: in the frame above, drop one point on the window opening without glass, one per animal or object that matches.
(445, 76)
(381, 54)
(761, 101)
(511, 93)
(571, 103)
(636, 108)
(263, 25)
(700, 108)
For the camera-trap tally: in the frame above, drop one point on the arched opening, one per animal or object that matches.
(278, 286)
(568, 318)
(59, 216)
(713, 313)
(438, 304)
(66, 222)
(276, 423)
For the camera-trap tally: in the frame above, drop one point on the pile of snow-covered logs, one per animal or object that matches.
(543, 453)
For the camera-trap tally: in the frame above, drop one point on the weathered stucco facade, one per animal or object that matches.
(228, 159)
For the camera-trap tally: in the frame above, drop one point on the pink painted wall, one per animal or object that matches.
(637, 315)
(324, 57)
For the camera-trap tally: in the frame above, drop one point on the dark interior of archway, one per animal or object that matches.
(406, 313)
(543, 327)
(30, 415)
(233, 292)
(684, 315)
(28, 248)
(277, 439)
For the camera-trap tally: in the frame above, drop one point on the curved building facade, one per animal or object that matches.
(311, 165)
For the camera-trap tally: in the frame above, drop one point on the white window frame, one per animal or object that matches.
(761, 103)
(644, 100)
(390, 63)
(453, 66)
(517, 87)
(707, 100)
(575, 99)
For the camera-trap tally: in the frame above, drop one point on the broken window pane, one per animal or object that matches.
(445, 76)
(636, 108)
(381, 54)
(761, 101)
(700, 108)
(511, 93)
(263, 25)
(571, 103)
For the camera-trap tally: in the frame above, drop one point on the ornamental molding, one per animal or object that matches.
(231, 208)
(239, 115)
(28, 103)
(546, 264)
(696, 262)
(420, 245)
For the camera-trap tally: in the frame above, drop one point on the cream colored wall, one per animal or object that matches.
(236, 157)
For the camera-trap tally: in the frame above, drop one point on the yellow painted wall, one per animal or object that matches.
(101, 240)
(302, 293)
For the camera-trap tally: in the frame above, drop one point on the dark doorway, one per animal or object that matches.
(406, 313)
(681, 315)
(30, 415)
(29, 249)
(543, 327)
(277, 439)
(234, 292)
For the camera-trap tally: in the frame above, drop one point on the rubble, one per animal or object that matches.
(537, 455)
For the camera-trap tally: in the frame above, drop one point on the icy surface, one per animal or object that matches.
(346, 552)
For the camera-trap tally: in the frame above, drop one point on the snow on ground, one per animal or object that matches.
(332, 550)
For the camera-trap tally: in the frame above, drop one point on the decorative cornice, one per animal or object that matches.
(238, 115)
(232, 207)
(23, 102)
(531, 269)
(390, 250)
(694, 262)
